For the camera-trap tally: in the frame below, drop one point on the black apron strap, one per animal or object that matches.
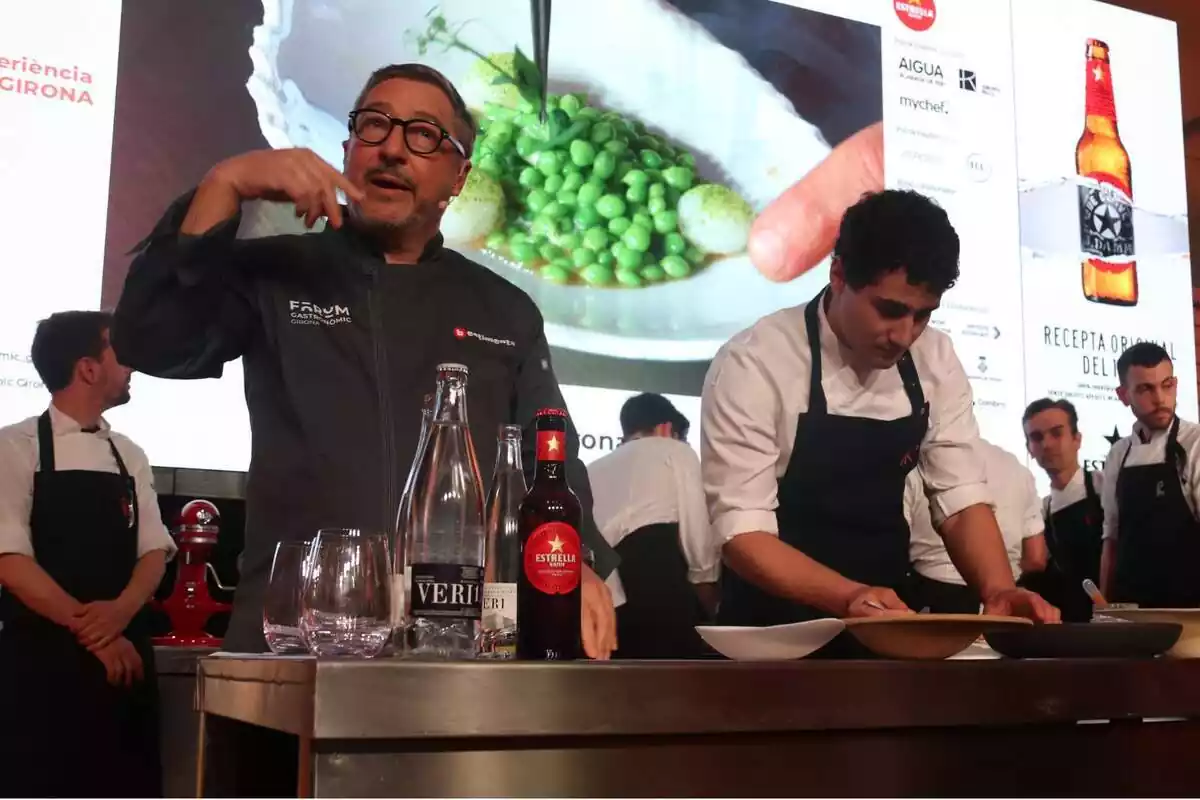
(812, 323)
(45, 442)
(912, 384)
(131, 506)
(1089, 486)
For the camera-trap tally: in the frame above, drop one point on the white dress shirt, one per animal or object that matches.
(1014, 501)
(650, 481)
(1075, 491)
(73, 450)
(758, 385)
(1152, 451)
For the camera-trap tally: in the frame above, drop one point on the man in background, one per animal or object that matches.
(82, 550)
(1072, 512)
(935, 582)
(649, 505)
(1151, 552)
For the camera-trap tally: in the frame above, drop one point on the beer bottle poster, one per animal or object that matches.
(1099, 123)
(1050, 131)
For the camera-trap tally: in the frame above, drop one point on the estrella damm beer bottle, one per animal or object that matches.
(1106, 201)
(549, 590)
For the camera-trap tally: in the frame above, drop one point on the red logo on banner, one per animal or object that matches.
(916, 14)
(552, 562)
(460, 333)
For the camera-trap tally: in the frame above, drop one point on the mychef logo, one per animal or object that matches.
(915, 69)
(464, 333)
(304, 312)
(919, 15)
(924, 105)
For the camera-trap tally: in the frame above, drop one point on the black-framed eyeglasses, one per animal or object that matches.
(422, 136)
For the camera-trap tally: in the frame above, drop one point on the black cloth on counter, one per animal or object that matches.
(938, 596)
(661, 609)
(339, 350)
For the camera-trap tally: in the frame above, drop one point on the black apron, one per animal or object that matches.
(841, 499)
(1074, 537)
(661, 609)
(68, 732)
(1158, 537)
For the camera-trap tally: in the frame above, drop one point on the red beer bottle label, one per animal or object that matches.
(551, 446)
(552, 561)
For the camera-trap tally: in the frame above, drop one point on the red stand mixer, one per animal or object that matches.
(190, 605)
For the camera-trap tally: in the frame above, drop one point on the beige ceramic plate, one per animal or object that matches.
(925, 636)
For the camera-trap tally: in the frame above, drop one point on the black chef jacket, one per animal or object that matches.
(339, 350)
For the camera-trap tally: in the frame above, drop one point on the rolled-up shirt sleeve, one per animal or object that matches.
(702, 553)
(1034, 522)
(17, 464)
(1108, 489)
(951, 465)
(738, 445)
(152, 533)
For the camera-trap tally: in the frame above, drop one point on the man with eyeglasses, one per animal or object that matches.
(1151, 491)
(340, 332)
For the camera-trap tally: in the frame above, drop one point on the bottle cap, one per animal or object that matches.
(453, 368)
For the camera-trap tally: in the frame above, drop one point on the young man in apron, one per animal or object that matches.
(82, 549)
(1073, 513)
(649, 505)
(813, 418)
(1151, 553)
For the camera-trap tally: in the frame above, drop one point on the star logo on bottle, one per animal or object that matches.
(550, 446)
(1098, 73)
(556, 545)
(918, 15)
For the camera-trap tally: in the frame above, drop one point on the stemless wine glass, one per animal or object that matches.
(345, 602)
(281, 605)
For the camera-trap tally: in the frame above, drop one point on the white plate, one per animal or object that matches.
(772, 643)
(311, 58)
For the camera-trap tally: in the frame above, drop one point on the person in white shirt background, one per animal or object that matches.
(935, 583)
(1073, 514)
(813, 418)
(649, 505)
(1151, 553)
(82, 550)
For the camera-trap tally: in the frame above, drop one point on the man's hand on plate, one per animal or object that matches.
(598, 617)
(798, 229)
(1021, 603)
(875, 601)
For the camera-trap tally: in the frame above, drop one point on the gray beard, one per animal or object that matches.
(379, 229)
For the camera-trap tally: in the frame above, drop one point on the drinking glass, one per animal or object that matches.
(345, 608)
(281, 605)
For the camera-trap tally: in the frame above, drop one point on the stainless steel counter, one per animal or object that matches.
(402, 728)
(179, 720)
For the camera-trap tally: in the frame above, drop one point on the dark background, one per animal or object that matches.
(182, 106)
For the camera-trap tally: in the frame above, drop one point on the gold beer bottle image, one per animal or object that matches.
(1106, 203)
